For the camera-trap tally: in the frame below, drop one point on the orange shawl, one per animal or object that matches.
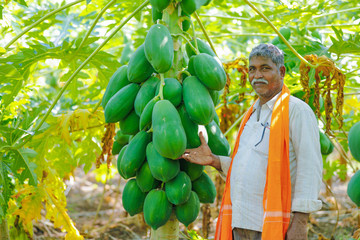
(277, 192)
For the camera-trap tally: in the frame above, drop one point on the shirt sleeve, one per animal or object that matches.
(304, 134)
(225, 165)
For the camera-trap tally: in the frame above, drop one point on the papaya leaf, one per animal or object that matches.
(341, 46)
(21, 162)
(6, 187)
(311, 76)
(11, 81)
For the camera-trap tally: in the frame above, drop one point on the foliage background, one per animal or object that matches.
(40, 152)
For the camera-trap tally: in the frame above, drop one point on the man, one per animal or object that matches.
(276, 168)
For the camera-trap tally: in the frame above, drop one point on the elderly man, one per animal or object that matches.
(275, 172)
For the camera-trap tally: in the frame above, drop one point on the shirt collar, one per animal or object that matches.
(270, 104)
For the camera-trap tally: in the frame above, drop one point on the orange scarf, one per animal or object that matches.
(277, 192)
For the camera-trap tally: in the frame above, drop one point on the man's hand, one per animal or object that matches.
(298, 227)
(202, 155)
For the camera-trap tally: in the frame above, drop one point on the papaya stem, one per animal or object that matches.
(162, 84)
(194, 34)
(280, 35)
(82, 65)
(187, 40)
(234, 124)
(40, 21)
(185, 72)
(204, 31)
(96, 106)
(150, 130)
(94, 24)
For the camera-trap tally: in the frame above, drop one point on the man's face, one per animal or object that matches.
(265, 77)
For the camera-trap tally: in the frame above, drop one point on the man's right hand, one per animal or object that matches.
(202, 155)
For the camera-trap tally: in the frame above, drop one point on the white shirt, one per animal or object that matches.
(248, 174)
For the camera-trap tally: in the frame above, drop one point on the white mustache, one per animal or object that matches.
(259, 80)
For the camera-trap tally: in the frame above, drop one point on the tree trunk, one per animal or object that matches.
(4, 231)
(169, 231)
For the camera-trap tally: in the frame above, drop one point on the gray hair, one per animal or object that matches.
(268, 51)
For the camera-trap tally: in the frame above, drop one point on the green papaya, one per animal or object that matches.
(120, 156)
(203, 47)
(130, 124)
(185, 23)
(190, 6)
(121, 104)
(139, 68)
(157, 209)
(354, 141)
(215, 96)
(187, 212)
(134, 156)
(116, 148)
(217, 120)
(191, 69)
(121, 138)
(172, 91)
(193, 170)
(145, 118)
(133, 198)
(155, 14)
(191, 128)
(216, 140)
(209, 70)
(145, 94)
(159, 5)
(169, 136)
(117, 81)
(353, 188)
(204, 188)
(159, 48)
(126, 52)
(145, 179)
(161, 168)
(178, 189)
(198, 102)
(325, 144)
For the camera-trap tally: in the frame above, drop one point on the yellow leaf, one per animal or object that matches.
(83, 116)
(63, 127)
(2, 50)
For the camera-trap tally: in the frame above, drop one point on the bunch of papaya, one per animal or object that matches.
(159, 106)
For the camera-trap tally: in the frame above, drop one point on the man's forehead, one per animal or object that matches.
(260, 60)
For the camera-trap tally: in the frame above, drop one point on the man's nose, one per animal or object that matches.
(258, 74)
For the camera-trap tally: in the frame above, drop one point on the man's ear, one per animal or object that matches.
(282, 70)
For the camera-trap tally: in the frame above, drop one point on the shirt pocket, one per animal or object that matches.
(262, 141)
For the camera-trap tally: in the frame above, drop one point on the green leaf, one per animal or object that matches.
(21, 2)
(311, 76)
(1, 11)
(11, 81)
(22, 162)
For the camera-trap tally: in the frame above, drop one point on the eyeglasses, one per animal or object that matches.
(266, 125)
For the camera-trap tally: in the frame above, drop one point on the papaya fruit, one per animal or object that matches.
(203, 47)
(185, 23)
(217, 120)
(187, 212)
(169, 137)
(157, 208)
(145, 118)
(159, 48)
(145, 94)
(145, 179)
(354, 141)
(353, 188)
(198, 102)
(134, 155)
(172, 91)
(116, 148)
(118, 162)
(117, 81)
(121, 138)
(133, 198)
(215, 96)
(121, 104)
(139, 68)
(325, 144)
(204, 188)
(159, 5)
(155, 14)
(216, 140)
(161, 168)
(178, 189)
(191, 128)
(193, 170)
(190, 6)
(209, 70)
(130, 124)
